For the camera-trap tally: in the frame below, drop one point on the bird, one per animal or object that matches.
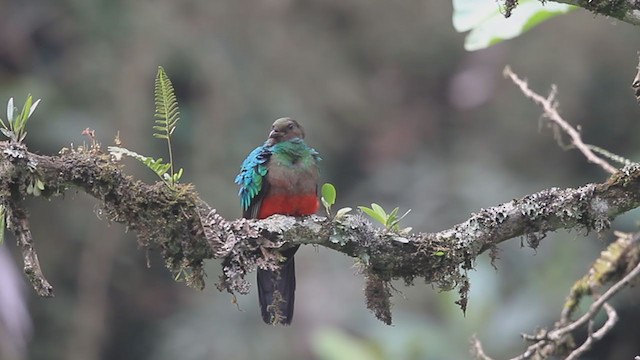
(279, 177)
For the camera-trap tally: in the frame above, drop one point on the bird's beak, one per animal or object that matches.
(274, 134)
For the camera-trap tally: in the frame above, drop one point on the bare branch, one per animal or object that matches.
(560, 339)
(551, 112)
(619, 263)
(594, 309)
(612, 318)
(476, 349)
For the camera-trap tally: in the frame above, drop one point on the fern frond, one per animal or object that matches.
(156, 165)
(167, 112)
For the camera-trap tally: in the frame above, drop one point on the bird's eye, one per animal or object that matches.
(290, 126)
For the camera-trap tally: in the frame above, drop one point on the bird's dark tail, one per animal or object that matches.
(276, 291)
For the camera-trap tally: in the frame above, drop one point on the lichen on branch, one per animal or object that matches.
(187, 231)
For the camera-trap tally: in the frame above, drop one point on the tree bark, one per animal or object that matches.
(188, 231)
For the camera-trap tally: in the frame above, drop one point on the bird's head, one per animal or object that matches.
(285, 129)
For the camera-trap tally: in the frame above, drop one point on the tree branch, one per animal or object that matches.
(619, 262)
(624, 10)
(19, 222)
(187, 231)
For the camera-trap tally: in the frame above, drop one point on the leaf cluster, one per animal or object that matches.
(14, 127)
(391, 221)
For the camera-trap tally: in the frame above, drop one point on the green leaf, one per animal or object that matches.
(488, 25)
(342, 212)
(325, 203)
(373, 214)
(21, 121)
(329, 193)
(33, 107)
(395, 222)
(167, 113)
(166, 117)
(16, 124)
(380, 211)
(8, 133)
(392, 218)
(10, 110)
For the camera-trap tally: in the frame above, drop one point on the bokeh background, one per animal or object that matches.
(402, 116)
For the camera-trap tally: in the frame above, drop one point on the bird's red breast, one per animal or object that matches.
(292, 205)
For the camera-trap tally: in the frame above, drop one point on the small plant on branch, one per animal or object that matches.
(166, 117)
(16, 123)
(391, 221)
(15, 129)
(328, 199)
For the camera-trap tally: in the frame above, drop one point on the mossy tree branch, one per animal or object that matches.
(187, 231)
(623, 10)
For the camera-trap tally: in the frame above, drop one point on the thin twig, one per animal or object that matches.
(531, 350)
(551, 338)
(612, 319)
(599, 303)
(551, 112)
(476, 349)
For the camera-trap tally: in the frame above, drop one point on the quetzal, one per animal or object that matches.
(279, 177)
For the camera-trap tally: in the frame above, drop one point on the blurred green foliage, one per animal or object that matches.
(332, 344)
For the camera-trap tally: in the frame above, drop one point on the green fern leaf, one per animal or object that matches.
(156, 165)
(166, 116)
(167, 112)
